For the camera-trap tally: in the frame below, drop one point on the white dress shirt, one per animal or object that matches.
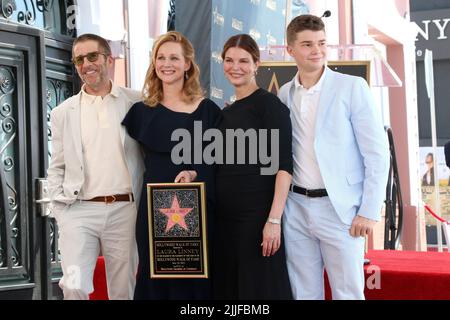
(303, 116)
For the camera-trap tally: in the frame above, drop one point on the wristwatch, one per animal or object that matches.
(274, 221)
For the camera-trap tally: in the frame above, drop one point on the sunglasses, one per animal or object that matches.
(91, 56)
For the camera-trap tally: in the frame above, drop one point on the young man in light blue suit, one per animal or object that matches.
(341, 162)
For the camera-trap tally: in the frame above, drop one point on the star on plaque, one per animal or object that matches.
(176, 215)
(177, 230)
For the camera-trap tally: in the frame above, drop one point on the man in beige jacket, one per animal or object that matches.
(95, 177)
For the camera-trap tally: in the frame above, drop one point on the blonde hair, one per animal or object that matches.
(153, 89)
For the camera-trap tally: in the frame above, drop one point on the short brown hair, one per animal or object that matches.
(102, 42)
(302, 23)
(153, 88)
(243, 41)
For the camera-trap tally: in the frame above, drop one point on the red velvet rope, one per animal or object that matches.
(435, 215)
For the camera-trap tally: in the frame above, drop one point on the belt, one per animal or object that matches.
(110, 199)
(312, 193)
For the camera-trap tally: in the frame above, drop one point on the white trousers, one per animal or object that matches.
(87, 227)
(315, 238)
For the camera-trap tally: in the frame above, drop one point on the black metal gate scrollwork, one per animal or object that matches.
(8, 7)
(27, 16)
(10, 248)
(57, 92)
(36, 75)
(6, 88)
(53, 15)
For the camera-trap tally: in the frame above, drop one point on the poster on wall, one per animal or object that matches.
(272, 75)
(427, 176)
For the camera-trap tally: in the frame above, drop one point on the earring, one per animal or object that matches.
(256, 72)
(186, 76)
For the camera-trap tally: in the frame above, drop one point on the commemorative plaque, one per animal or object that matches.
(177, 230)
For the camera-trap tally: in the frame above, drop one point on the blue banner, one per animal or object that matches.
(264, 20)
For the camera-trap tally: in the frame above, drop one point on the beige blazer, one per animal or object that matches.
(65, 174)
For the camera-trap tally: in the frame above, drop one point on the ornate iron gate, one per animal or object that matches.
(35, 76)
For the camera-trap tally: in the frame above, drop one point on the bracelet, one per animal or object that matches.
(274, 221)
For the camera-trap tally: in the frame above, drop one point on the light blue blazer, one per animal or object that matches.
(350, 144)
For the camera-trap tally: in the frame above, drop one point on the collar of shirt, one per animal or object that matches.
(315, 88)
(91, 98)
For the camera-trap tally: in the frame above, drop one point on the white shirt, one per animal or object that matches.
(105, 168)
(303, 114)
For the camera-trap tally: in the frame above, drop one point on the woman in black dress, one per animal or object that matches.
(173, 99)
(249, 255)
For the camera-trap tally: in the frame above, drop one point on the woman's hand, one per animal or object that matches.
(271, 239)
(186, 176)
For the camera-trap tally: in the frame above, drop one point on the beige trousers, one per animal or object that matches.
(88, 228)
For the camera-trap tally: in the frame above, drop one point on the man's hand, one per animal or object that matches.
(361, 226)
